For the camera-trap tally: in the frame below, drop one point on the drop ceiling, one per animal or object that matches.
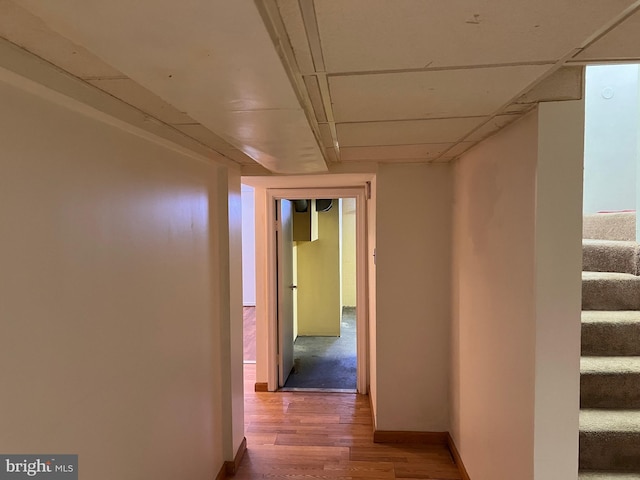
(300, 86)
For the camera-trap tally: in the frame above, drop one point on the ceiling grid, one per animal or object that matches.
(299, 85)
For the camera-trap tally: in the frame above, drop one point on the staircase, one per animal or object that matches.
(610, 362)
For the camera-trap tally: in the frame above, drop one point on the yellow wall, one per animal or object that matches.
(319, 278)
(349, 252)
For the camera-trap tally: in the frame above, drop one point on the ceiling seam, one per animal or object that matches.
(438, 69)
(312, 32)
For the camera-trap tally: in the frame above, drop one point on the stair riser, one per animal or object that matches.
(596, 258)
(606, 339)
(610, 390)
(610, 451)
(610, 295)
(612, 226)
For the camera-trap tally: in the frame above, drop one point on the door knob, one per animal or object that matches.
(293, 287)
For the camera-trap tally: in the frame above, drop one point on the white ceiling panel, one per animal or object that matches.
(331, 155)
(325, 134)
(457, 150)
(413, 132)
(433, 94)
(427, 151)
(132, 93)
(215, 60)
(267, 137)
(623, 42)
(492, 126)
(368, 35)
(26, 30)
(292, 18)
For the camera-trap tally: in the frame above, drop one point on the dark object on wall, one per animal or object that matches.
(301, 206)
(324, 205)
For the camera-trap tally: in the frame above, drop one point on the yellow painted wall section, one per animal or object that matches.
(349, 252)
(319, 279)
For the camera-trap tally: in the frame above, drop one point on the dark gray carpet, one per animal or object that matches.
(326, 362)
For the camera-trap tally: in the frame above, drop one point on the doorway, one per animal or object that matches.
(319, 345)
(316, 247)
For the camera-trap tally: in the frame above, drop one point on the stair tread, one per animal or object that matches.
(608, 476)
(605, 420)
(610, 276)
(611, 316)
(617, 243)
(610, 365)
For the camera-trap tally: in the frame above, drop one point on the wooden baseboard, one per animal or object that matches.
(456, 457)
(233, 466)
(422, 438)
(230, 468)
(373, 413)
(261, 387)
(222, 474)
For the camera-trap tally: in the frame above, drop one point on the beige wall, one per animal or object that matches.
(516, 299)
(371, 292)
(318, 278)
(348, 251)
(111, 297)
(494, 308)
(413, 230)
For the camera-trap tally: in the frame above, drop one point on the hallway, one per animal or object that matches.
(314, 435)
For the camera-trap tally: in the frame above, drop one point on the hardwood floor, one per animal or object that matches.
(294, 435)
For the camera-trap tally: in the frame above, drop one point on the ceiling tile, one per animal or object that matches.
(325, 134)
(396, 152)
(459, 149)
(313, 88)
(292, 19)
(566, 83)
(331, 155)
(214, 59)
(432, 94)
(492, 126)
(212, 140)
(623, 42)
(205, 136)
(31, 33)
(405, 133)
(133, 94)
(369, 35)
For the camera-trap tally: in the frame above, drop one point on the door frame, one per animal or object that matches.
(362, 313)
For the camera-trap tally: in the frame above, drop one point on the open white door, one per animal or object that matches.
(284, 240)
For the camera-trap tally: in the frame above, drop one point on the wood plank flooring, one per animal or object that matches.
(296, 435)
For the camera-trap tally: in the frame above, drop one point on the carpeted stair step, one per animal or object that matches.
(610, 256)
(610, 226)
(608, 476)
(610, 382)
(610, 291)
(610, 440)
(610, 333)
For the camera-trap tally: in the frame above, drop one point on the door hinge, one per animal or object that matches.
(278, 359)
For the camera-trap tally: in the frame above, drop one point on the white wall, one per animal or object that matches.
(612, 121)
(111, 297)
(558, 288)
(413, 283)
(516, 299)
(248, 247)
